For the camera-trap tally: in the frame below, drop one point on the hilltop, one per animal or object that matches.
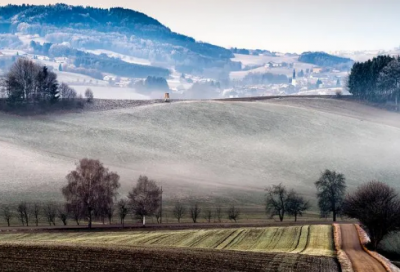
(209, 149)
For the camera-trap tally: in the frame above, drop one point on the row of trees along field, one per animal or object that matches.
(91, 193)
(28, 83)
(376, 80)
(375, 204)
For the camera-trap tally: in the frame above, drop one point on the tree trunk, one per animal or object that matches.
(144, 220)
(90, 219)
(295, 217)
(334, 216)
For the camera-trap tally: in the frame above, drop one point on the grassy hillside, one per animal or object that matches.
(205, 149)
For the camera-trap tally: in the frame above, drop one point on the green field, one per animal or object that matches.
(314, 240)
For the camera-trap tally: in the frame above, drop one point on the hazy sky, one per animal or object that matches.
(279, 25)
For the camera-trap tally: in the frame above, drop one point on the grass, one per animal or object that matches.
(307, 240)
(209, 150)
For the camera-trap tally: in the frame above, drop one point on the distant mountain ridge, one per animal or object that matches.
(117, 19)
(323, 59)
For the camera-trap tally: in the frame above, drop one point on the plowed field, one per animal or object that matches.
(17, 258)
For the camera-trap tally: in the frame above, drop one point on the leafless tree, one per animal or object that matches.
(62, 214)
(218, 213)
(30, 82)
(66, 92)
(331, 189)
(89, 95)
(233, 213)
(110, 213)
(276, 201)
(75, 209)
(122, 210)
(145, 198)
(296, 205)
(157, 215)
(195, 212)
(20, 80)
(50, 212)
(208, 215)
(178, 211)
(91, 187)
(377, 206)
(7, 214)
(36, 211)
(23, 213)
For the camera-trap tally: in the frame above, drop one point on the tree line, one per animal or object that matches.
(376, 80)
(28, 83)
(91, 193)
(375, 204)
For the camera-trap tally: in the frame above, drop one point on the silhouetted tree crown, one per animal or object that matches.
(376, 205)
(145, 197)
(91, 188)
(331, 189)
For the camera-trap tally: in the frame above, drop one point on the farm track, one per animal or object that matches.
(360, 259)
(34, 258)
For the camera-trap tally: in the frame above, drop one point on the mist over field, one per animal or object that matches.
(231, 150)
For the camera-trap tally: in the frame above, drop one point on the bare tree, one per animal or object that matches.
(7, 214)
(377, 206)
(208, 215)
(23, 213)
(178, 211)
(36, 208)
(157, 215)
(75, 210)
(276, 199)
(218, 213)
(89, 95)
(91, 187)
(50, 212)
(62, 214)
(30, 82)
(145, 198)
(110, 213)
(331, 189)
(296, 205)
(195, 212)
(66, 92)
(233, 213)
(122, 210)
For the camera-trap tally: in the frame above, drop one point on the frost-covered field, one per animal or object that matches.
(103, 92)
(204, 148)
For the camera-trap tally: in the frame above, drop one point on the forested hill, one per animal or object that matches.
(323, 59)
(116, 20)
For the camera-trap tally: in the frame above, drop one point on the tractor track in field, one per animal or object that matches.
(360, 259)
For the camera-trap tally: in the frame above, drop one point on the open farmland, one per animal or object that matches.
(43, 258)
(299, 248)
(309, 240)
(226, 150)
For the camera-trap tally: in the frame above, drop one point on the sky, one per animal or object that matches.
(276, 25)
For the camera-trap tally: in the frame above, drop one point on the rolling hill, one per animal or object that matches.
(204, 149)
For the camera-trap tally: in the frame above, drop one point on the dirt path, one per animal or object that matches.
(360, 259)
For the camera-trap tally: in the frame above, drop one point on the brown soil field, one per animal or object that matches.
(72, 258)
